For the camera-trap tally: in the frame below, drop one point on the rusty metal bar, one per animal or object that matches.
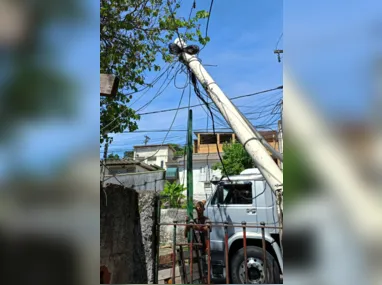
(183, 264)
(157, 239)
(208, 222)
(199, 263)
(226, 252)
(174, 252)
(223, 225)
(187, 244)
(264, 252)
(191, 252)
(245, 250)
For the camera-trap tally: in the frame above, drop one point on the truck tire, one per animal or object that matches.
(256, 272)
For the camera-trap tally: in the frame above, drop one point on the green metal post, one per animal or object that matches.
(190, 189)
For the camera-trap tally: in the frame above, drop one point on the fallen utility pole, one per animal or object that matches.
(264, 162)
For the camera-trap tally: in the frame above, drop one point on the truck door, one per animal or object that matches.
(234, 205)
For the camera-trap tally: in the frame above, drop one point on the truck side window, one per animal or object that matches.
(235, 194)
(239, 194)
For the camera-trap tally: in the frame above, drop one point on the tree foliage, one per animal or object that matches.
(235, 159)
(134, 36)
(128, 154)
(174, 194)
(113, 156)
(179, 150)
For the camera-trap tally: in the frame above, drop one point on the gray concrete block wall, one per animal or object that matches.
(122, 243)
(147, 211)
(166, 232)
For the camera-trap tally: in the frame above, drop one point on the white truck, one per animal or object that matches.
(246, 197)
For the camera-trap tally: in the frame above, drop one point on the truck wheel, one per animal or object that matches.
(255, 265)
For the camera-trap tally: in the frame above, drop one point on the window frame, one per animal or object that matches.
(215, 197)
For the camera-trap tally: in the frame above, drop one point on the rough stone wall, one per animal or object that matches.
(147, 210)
(122, 250)
(147, 181)
(166, 232)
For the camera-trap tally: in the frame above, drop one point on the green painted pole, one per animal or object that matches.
(190, 189)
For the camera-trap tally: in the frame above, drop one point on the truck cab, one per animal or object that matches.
(245, 197)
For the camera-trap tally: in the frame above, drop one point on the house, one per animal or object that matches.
(202, 173)
(157, 155)
(205, 155)
(133, 174)
(208, 142)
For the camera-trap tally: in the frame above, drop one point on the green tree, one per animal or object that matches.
(135, 34)
(179, 150)
(128, 154)
(235, 159)
(174, 194)
(113, 156)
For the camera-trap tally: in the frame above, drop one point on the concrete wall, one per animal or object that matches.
(150, 181)
(147, 212)
(118, 169)
(127, 245)
(166, 232)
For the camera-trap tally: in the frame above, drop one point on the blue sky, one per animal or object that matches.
(242, 44)
(330, 46)
(40, 147)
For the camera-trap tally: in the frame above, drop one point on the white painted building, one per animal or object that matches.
(157, 155)
(202, 173)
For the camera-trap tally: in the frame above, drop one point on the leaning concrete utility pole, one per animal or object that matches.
(266, 165)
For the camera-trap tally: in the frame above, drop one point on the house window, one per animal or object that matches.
(208, 139)
(207, 185)
(172, 173)
(225, 139)
(162, 164)
(153, 158)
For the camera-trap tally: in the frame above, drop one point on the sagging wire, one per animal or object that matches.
(198, 94)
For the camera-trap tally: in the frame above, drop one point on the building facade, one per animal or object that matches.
(202, 173)
(157, 155)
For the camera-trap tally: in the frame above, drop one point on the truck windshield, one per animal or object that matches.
(234, 194)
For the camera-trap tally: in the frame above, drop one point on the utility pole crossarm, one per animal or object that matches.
(266, 165)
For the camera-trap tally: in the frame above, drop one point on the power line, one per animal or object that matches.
(197, 130)
(209, 14)
(198, 93)
(197, 105)
(278, 41)
(172, 123)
